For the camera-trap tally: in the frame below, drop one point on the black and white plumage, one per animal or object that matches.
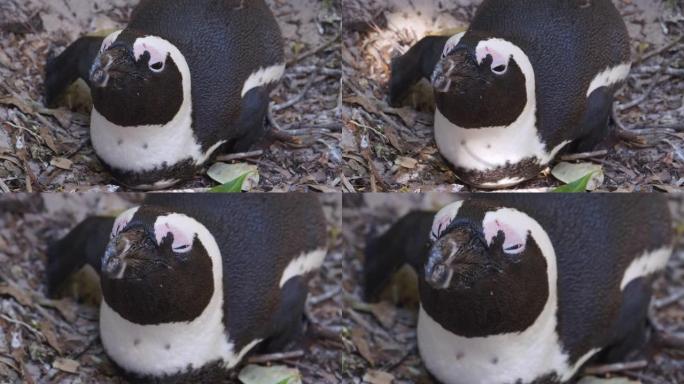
(195, 282)
(527, 288)
(181, 80)
(527, 80)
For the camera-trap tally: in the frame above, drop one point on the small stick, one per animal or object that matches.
(585, 155)
(239, 156)
(618, 367)
(659, 50)
(260, 359)
(667, 301)
(315, 51)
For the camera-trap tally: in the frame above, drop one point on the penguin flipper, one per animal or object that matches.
(630, 331)
(71, 64)
(419, 62)
(594, 128)
(85, 244)
(405, 242)
(254, 110)
(286, 324)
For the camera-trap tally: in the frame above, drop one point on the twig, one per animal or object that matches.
(659, 50)
(585, 155)
(27, 326)
(645, 95)
(623, 132)
(239, 156)
(315, 51)
(260, 359)
(298, 98)
(325, 296)
(618, 367)
(667, 301)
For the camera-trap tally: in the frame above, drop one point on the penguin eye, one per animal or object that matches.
(182, 248)
(514, 249)
(157, 67)
(499, 69)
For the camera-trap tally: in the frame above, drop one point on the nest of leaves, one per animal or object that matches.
(386, 337)
(393, 149)
(49, 149)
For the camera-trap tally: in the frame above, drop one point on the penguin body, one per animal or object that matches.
(196, 282)
(526, 81)
(181, 80)
(527, 289)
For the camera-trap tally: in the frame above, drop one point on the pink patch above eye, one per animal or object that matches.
(119, 224)
(514, 241)
(181, 241)
(156, 56)
(498, 59)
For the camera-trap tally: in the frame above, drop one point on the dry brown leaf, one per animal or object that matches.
(66, 365)
(21, 296)
(49, 332)
(62, 163)
(385, 312)
(378, 377)
(407, 162)
(359, 338)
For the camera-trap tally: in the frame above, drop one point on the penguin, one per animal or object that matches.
(528, 288)
(528, 80)
(183, 79)
(193, 283)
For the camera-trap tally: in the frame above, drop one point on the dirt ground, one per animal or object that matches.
(390, 149)
(49, 150)
(389, 329)
(40, 337)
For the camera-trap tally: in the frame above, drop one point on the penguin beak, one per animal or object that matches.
(119, 251)
(437, 273)
(451, 70)
(108, 65)
(454, 258)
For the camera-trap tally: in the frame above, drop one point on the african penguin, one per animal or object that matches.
(184, 78)
(527, 80)
(528, 288)
(193, 283)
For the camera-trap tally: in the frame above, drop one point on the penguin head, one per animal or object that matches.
(481, 82)
(471, 250)
(156, 267)
(485, 263)
(138, 80)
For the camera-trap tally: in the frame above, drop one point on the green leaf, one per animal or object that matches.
(234, 186)
(576, 186)
(226, 174)
(254, 374)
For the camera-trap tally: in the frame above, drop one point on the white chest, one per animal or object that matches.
(497, 359)
(485, 149)
(144, 148)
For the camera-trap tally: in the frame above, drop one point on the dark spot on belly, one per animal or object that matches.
(495, 360)
(489, 146)
(145, 146)
(136, 342)
(460, 355)
(119, 142)
(167, 346)
(463, 142)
